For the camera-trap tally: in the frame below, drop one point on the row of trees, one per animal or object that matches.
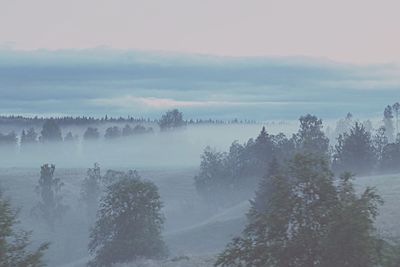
(86, 121)
(51, 132)
(70, 121)
(225, 175)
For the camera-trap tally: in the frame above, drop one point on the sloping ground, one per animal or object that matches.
(388, 187)
(210, 235)
(193, 234)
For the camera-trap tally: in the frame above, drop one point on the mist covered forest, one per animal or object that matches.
(173, 191)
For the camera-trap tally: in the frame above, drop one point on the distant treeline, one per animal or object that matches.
(84, 120)
(51, 128)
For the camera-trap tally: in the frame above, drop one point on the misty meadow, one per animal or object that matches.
(187, 133)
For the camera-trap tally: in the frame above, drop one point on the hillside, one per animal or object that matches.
(194, 233)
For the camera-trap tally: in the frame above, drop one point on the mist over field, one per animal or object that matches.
(199, 133)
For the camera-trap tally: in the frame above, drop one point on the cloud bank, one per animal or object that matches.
(121, 82)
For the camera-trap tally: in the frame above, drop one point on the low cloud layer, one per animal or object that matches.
(120, 83)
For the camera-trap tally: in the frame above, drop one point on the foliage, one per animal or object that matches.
(306, 220)
(51, 132)
(344, 125)
(388, 123)
(231, 176)
(91, 190)
(310, 138)
(171, 119)
(29, 137)
(112, 132)
(14, 244)
(138, 129)
(355, 151)
(129, 222)
(396, 109)
(91, 133)
(224, 178)
(50, 206)
(390, 158)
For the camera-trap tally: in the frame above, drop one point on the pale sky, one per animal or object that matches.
(355, 31)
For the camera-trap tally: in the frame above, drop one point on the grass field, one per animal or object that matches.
(194, 233)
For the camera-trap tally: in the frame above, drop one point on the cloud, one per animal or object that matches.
(119, 83)
(129, 101)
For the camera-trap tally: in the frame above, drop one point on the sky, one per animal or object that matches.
(352, 31)
(212, 58)
(112, 82)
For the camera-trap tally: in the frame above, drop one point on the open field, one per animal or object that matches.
(193, 231)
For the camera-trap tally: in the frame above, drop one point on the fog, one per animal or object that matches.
(170, 159)
(173, 149)
(195, 229)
